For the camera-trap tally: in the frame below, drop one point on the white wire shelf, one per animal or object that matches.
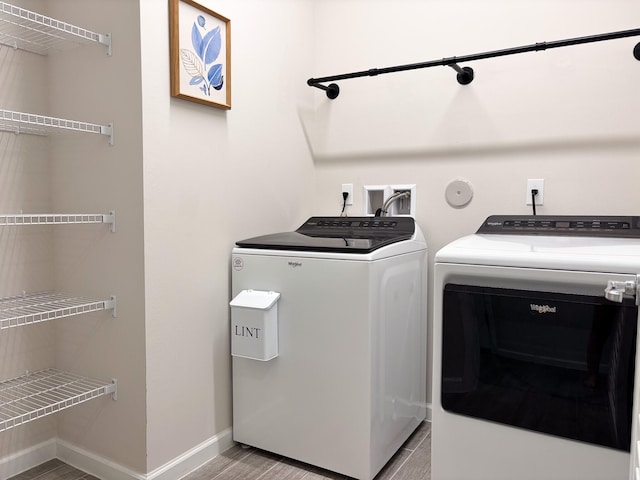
(33, 308)
(58, 219)
(30, 123)
(36, 33)
(42, 393)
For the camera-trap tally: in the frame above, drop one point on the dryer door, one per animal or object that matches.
(549, 355)
(504, 451)
(556, 363)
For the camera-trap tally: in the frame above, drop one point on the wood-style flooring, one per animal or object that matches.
(411, 462)
(54, 470)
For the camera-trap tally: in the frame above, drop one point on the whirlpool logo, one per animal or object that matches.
(542, 308)
(293, 264)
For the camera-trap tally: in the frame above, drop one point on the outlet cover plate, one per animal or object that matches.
(537, 183)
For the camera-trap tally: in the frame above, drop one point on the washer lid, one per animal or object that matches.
(338, 234)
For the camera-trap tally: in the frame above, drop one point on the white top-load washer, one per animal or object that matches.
(340, 383)
(534, 341)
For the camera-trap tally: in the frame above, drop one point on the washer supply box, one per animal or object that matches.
(254, 325)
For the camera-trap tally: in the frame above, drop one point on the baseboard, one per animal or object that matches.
(176, 468)
(106, 469)
(27, 458)
(194, 458)
(94, 464)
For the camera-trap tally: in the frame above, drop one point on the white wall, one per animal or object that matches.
(88, 175)
(212, 177)
(566, 115)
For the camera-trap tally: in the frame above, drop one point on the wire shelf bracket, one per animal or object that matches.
(26, 30)
(28, 309)
(38, 394)
(33, 124)
(59, 219)
(465, 75)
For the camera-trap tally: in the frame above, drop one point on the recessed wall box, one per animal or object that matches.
(403, 207)
(374, 197)
(254, 325)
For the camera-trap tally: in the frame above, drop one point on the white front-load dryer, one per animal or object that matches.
(348, 384)
(534, 341)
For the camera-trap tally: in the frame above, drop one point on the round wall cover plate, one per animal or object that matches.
(458, 193)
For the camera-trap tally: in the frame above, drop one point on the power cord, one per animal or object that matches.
(534, 192)
(344, 202)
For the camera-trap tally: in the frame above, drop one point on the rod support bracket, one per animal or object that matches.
(465, 74)
(332, 90)
(636, 51)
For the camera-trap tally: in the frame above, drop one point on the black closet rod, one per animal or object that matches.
(465, 74)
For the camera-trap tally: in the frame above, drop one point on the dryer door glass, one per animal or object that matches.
(555, 363)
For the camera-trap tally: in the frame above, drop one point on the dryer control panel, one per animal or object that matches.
(569, 225)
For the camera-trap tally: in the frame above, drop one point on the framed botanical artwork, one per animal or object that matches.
(200, 51)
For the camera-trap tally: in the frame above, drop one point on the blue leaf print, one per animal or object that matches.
(206, 50)
(211, 44)
(196, 40)
(215, 75)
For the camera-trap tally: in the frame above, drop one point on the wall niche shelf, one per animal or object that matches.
(28, 309)
(59, 219)
(35, 395)
(33, 124)
(26, 30)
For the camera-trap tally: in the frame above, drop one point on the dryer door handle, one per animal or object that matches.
(616, 290)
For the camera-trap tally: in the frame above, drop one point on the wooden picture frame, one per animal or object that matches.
(200, 54)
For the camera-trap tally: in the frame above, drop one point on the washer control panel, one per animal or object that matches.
(358, 226)
(579, 225)
(338, 234)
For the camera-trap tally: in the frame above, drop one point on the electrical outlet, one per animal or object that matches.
(348, 188)
(537, 184)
